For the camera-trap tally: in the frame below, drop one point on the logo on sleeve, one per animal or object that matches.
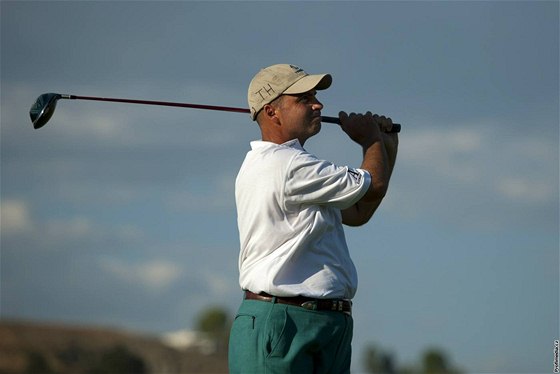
(356, 175)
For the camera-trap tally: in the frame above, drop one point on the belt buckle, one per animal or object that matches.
(309, 305)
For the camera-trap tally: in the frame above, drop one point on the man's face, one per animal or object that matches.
(300, 115)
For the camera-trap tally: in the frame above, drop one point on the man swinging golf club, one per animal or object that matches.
(295, 269)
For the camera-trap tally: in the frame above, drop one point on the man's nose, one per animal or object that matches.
(317, 105)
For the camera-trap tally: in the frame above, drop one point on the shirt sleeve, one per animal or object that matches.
(313, 181)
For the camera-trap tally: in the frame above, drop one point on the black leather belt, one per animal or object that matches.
(336, 305)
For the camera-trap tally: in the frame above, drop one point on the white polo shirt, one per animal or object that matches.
(290, 225)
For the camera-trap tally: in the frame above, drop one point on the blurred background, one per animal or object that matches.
(122, 217)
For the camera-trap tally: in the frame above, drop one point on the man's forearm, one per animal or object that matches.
(376, 162)
(361, 212)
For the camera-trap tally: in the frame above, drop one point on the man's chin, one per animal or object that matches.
(317, 121)
(317, 128)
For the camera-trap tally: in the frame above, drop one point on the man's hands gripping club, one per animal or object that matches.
(379, 155)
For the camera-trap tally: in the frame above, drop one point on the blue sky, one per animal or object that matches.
(124, 215)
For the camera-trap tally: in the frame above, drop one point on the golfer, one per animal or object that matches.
(295, 269)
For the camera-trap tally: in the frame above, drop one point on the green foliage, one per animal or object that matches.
(215, 322)
(74, 355)
(119, 360)
(433, 361)
(377, 361)
(37, 363)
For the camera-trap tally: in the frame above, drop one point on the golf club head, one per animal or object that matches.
(43, 108)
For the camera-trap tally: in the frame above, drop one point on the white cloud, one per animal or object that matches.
(217, 195)
(15, 218)
(73, 228)
(154, 274)
(482, 158)
(89, 123)
(84, 232)
(448, 153)
(525, 189)
(19, 225)
(430, 142)
(130, 233)
(220, 285)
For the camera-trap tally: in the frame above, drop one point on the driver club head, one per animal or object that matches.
(43, 108)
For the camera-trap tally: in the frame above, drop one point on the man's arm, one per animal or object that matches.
(379, 156)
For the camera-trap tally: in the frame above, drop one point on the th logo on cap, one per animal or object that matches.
(269, 90)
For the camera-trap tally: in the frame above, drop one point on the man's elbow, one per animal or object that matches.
(356, 223)
(376, 192)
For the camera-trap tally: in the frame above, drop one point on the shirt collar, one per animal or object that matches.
(294, 143)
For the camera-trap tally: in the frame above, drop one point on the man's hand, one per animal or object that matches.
(367, 128)
(360, 128)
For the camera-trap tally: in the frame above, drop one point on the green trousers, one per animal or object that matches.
(270, 338)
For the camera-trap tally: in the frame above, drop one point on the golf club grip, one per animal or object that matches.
(396, 126)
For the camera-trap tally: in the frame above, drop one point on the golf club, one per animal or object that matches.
(43, 108)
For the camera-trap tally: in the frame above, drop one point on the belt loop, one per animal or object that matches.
(273, 301)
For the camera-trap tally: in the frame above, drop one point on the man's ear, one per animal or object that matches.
(270, 112)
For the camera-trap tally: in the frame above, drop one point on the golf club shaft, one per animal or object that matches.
(161, 103)
(396, 126)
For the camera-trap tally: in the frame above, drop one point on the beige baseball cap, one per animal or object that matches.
(276, 80)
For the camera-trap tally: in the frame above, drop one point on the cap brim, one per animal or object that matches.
(310, 82)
